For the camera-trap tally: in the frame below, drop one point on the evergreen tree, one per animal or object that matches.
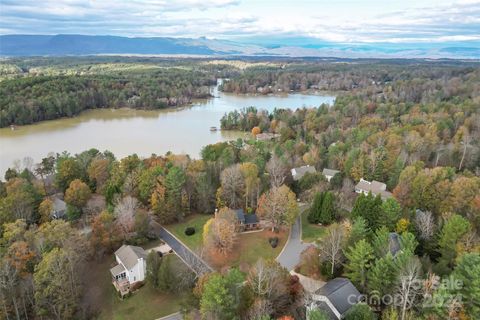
(360, 311)
(359, 231)
(359, 258)
(381, 242)
(328, 212)
(391, 213)
(382, 276)
(316, 208)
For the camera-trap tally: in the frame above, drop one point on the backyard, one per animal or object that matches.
(145, 304)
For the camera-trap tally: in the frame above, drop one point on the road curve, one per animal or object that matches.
(290, 255)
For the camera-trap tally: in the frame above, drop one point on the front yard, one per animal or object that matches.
(311, 232)
(144, 304)
(248, 248)
(197, 221)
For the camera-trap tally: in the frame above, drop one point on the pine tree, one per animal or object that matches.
(328, 212)
(391, 213)
(316, 208)
(359, 231)
(382, 276)
(359, 259)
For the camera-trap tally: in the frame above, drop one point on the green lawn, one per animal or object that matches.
(248, 249)
(311, 232)
(197, 221)
(145, 304)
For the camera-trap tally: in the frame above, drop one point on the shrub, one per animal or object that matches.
(189, 231)
(273, 242)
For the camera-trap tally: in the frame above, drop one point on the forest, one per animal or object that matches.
(415, 127)
(32, 92)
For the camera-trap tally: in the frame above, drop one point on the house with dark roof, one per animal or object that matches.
(299, 172)
(329, 173)
(246, 221)
(59, 210)
(394, 243)
(131, 267)
(375, 187)
(336, 297)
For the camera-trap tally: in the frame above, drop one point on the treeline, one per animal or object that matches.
(31, 99)
(411, 82)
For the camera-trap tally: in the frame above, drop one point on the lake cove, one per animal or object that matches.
(127, 131)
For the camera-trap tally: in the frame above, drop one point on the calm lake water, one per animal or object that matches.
(126, 131)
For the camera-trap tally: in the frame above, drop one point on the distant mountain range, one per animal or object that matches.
(61, 45)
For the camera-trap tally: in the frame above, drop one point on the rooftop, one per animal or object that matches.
(299, 172)
(129, 255)
(339, 292)
(330, 172)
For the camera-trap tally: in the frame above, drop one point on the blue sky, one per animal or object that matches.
(337, 21)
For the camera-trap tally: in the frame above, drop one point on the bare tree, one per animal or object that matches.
(277, 171)
(264, 279)
(232, 186)
(425, 223)
(125, 213)
(408, 288)
(259, 308)
(331, 246)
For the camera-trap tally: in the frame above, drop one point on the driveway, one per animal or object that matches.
(197, 264)
(173, 316)
(290, 255)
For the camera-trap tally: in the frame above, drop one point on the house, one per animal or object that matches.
(336, 297)
(329, 173)
(59, 210)
(375, 187)
(246, 221)
(266, 136)
(131, 268)
(298, 173)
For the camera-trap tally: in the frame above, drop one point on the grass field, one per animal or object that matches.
(197, 221)
(248, 249)
(311, 232)
(145, 304)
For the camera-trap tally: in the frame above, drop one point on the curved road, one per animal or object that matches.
(290, 255)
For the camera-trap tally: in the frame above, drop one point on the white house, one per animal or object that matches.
(298, 173)
(329, 173)
(375, 187)
(131, 267)
(336, 297)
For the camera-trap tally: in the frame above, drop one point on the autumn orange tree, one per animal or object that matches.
(279, 206)
(77, 194)
(219, 234)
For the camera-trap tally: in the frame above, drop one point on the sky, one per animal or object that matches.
(337, 21)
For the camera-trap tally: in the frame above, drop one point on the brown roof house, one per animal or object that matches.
(131, 268)
(375, 187)
(298, 173)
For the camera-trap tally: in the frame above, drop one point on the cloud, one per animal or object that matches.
(346, 22)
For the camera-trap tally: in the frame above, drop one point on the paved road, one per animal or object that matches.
(290, 255)
(198, 265)
(173, 316)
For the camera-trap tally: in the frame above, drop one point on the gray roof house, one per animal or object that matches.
(375, 187)
(131, 267)
(329, 173)
(336, 297)
(59, 208)
(394, 243)
(298, 173)
(246, 221)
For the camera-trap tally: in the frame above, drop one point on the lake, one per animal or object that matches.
(126, 131)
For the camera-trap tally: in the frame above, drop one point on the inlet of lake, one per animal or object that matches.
(144, 132)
